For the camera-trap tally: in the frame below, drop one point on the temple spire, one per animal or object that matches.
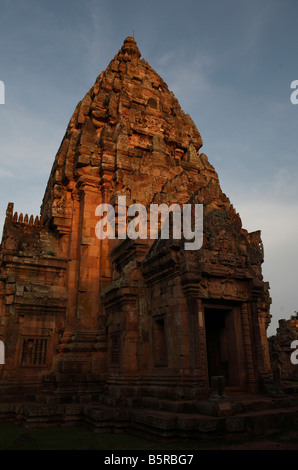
(130, 47)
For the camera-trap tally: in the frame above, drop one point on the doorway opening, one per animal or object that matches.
(224, 345)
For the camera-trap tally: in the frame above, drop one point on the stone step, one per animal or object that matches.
(150, 422)
(169, 424)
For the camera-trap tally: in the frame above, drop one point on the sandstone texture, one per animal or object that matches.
(84, 318)
(281, 350)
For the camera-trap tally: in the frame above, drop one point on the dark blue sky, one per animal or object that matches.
(229, 63)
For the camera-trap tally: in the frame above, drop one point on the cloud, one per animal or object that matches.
(273, 208)
(5, 173)
(29, 142)
(184, 74)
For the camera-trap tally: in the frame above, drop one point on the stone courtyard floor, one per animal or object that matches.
(13, 437)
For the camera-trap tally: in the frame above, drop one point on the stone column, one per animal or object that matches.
(264, 373)
(122, 317)
(262, 315)
(85, 270)
(130, 340)
(196, 333)
(72, 270)
(203, 362)
(247, 341)
(89, 261)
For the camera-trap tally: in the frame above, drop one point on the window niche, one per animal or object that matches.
(160, 342)
(34, 352)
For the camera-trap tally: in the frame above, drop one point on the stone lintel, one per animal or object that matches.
(127, 250)
(87, 183)
(53, 308)
(120, 295)
(191, 284)
(47, 263)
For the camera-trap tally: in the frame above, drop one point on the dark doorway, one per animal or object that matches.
(224, 345)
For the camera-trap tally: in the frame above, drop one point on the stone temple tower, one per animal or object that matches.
(83, 318)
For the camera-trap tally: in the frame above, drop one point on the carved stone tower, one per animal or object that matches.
(83, 317)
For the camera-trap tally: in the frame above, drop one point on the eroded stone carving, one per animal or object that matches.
(130, 318)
